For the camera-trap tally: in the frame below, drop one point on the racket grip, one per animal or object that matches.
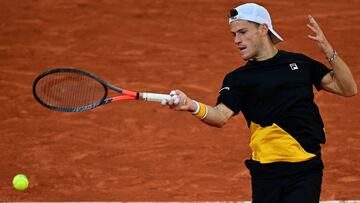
(154, 97)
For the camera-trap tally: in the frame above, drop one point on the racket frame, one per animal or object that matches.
(127, 95)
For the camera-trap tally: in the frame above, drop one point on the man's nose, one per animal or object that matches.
(237, 39)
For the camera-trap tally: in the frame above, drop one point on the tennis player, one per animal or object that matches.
(274, 91)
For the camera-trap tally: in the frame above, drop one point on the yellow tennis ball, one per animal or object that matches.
(20, 182)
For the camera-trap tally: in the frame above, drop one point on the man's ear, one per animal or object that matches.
(263, 29)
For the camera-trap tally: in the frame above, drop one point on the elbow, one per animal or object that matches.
(352, 92)
(219, 124)
(222, 123)
(355, 92)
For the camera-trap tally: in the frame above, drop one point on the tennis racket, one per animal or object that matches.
(74, 90)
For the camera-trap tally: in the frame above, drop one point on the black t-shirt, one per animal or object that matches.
(279, 91)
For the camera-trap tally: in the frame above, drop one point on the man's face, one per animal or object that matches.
(246, 38)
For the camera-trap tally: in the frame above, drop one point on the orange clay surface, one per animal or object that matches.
(138, 151)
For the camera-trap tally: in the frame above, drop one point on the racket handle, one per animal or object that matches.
(154, 97)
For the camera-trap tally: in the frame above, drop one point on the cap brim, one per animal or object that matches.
(275, 37)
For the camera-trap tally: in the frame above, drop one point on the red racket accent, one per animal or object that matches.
(124, 97)
(130, 93)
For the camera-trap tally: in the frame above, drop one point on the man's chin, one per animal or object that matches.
(245, 57)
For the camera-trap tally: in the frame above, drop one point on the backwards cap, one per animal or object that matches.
(254, 13)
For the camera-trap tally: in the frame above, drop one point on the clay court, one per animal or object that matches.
(138, 151)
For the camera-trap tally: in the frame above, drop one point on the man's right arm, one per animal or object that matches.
(215, 116)
(218, 115)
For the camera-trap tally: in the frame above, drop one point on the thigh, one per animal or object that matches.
(266, 190)
(304, 187)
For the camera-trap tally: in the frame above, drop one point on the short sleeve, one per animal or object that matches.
(318, 71)
(229, 96)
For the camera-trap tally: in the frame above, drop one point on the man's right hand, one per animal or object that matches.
(179, 101)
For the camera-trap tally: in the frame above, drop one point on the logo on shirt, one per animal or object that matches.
(224, 88)
(293, 66)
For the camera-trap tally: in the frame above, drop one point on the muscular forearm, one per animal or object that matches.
(342, 77)
(215, 116)
(340, 80)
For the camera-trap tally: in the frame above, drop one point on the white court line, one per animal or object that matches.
(328, 201)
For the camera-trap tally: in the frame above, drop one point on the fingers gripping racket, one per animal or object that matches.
(74, 90)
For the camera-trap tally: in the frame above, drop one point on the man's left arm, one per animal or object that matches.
(340, 80)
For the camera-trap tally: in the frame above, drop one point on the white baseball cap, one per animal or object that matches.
(254, 13)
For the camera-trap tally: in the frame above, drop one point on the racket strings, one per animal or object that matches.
(69, 90)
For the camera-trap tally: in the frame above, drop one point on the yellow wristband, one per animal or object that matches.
(203, 110)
